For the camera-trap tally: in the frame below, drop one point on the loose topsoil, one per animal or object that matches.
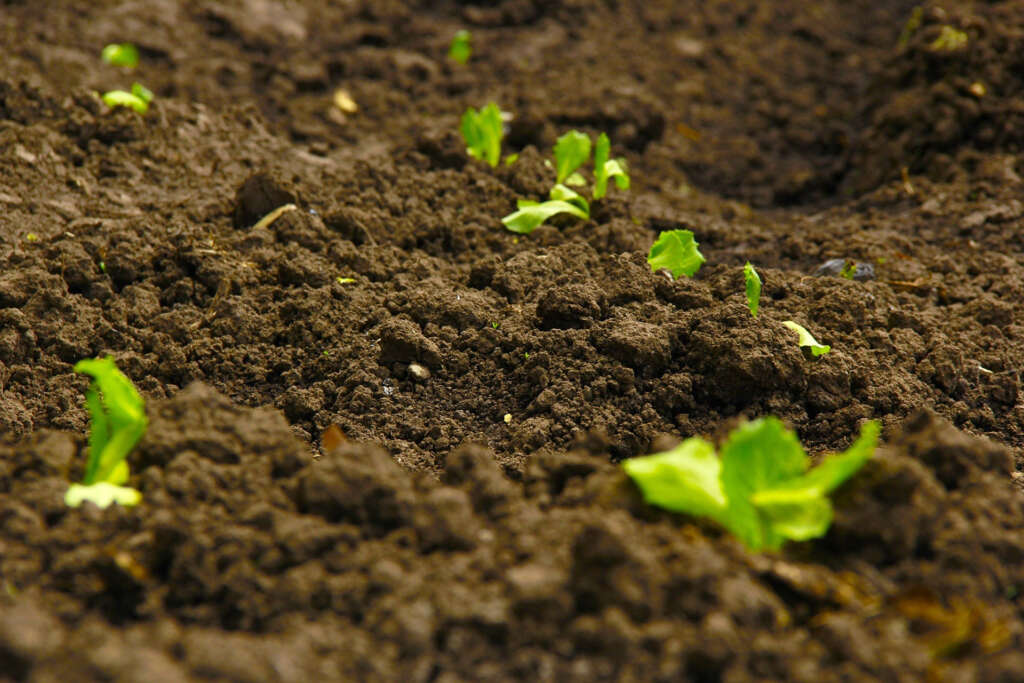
(473, 524)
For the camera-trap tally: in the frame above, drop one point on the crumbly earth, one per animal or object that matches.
(439, 541)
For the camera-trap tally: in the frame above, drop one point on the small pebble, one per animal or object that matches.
(418, 371)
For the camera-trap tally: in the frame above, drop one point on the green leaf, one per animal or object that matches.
(572, 150)
(101, 494)
(460, 49)
(684, 479)
(482, 131)
(753, 288)
(532, 214)
(807, 340)
(676, 251)
(118, 421)
(605, 168)
(142, 92)
(575, 179)
(121, 54)
(565, 194)
(120, 98)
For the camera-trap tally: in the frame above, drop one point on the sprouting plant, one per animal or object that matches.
(572, 150)
(138, 99)
(676, 251)
(121, 54)
(913, 23)
(529, 214)
(760, 488)
(949, 40)
(807, 341)
(849, 270)
(118, 422)
(753, 288)
(606, 169)
(482, 130)
(460, 49)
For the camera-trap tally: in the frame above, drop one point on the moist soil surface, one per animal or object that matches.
(468, 520)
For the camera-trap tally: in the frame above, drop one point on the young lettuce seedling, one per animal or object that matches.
(460, 49)
(606, 169)
(530, 215)
(482, 130)
(138, 99)
(676, 251)
(572, 150)
(760, 489)
(118, 422)
(121, 54)
(753, 288)
(807, 341)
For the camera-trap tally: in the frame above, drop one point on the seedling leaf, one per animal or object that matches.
(572, 150)
(120, 98)
(753, 288)
(760, 489)
(605, 168)
(532, 214)
(482, 130)
(460, 49)
(121, 54)
(676, 251)
(142, 92)
(101, 495)
(807, 340)
(118, 422)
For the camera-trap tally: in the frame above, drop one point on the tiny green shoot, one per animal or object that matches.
(138, 99)
(572, 150)
(460, 49)
(121, 54)
(482, 130)
(676, 251)
(530, 215)
(606, 169)
(849, 270)
(511, 158)
(118, 422)
(753, 288)
(949, 40)
(761, 488)
(344, 280)
(807, 341)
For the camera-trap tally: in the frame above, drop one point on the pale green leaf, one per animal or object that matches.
(102, 495)
(572, 150)
(807, 340)
(676, 251)
(753, 288)
(684, 479)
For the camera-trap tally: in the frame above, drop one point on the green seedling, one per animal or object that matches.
(572, 150)
(606, 169)
(121, 54)
(530, 215)
(482, 130)
(460, 49)
(753, 288)
(949, 40)
(676, 251)
(760, 488)
(807, 341)
(138, 99)
(118, 422)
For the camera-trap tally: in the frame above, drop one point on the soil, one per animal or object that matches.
(471, 522)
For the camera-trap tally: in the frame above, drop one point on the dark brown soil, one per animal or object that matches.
(438, 541)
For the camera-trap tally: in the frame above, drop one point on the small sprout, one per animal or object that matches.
(118, 422)
(849, 270)
(949, 40)
(576, 180)
(482, 130)
(761, 489)
(807, 341)
(530, 215)
(103, 267)
(526, 355)
(753, 288)
(460, 49)
(676, 251)
(121, 54)
(494, 325)
(511, 158)
(344, 102)
(605, 168)
(913, 23)
(326, 353)
(508, 418)
(138, 99)
(344, 280)
(572, 150)
(31, 237)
